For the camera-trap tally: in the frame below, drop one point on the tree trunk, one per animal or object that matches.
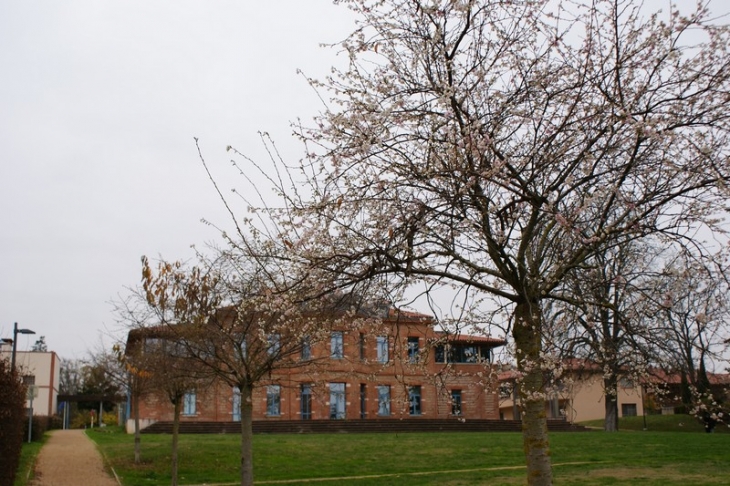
(610, 391)
(246, 435)
(528, 344)
(137, 435)
(175, 433)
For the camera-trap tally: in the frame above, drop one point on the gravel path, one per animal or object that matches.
(70, 458)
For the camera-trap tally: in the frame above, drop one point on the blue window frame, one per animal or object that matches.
(413, 350)
(414, 400)
(382, 346)
(337, 345)
(337, 401)
(273, 344)
(383, 400)
(273, 400)
(189, 400)
(455, 402)
(306, 349)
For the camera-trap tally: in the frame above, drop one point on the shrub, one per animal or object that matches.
(41, 423)
(82, 420)
(12, 415)
(110, 418)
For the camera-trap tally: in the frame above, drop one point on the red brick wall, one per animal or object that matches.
(479, 399)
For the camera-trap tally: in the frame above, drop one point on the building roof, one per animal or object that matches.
(661, 376)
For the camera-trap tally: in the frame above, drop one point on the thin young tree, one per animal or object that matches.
(171, 372)
(133, 313)
(239, 319)
(500, 145)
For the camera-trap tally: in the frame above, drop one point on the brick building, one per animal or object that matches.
(400, 368)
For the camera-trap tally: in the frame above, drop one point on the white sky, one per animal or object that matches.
(99, 104)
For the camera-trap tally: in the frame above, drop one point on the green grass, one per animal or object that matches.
(660, 423)
(28, 455)
(592, 458)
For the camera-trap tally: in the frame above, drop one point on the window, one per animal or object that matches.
(337, 345)
(306, 349)
(236, 404)
(505, 390)
(273, 344)
(337, 401)
(462, 353)
(176, 349)
(413, 351)
(363, 400)
(383, 400)
(152, 345)
(244, 349)
(628, 410)
(414, 400)
(189, 403)
(382, 349)
(273, 400)
(306, 402)
(362, 346)
(455, 402)
(28, 380)
(470, 354)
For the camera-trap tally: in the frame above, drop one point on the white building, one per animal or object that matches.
(42, 371)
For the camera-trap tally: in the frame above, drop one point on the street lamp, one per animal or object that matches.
(17, 331)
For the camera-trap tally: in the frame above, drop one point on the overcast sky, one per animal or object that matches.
(99, 104)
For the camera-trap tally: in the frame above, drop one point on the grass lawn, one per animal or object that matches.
(661, 423)
(28, 456)
(593, 458)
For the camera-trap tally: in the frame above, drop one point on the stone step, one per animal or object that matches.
(356, 426)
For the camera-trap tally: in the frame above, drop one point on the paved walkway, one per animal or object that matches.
(70, 458)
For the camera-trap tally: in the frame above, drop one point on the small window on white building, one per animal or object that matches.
(628, 410)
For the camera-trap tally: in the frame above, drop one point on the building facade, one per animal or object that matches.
(578, 397)
(402, 369)
(41, 372)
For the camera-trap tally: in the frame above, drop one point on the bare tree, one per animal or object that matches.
(70, 376)
(692, 307)
(500, 145)
(239, 319)
(602, 316)
(168, 370)
(133, 313)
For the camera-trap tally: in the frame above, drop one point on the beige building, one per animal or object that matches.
(41, 371)
(580, 397)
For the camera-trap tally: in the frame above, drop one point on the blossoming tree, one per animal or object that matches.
(499, 145)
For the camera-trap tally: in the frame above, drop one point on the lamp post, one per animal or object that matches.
(17, 331)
